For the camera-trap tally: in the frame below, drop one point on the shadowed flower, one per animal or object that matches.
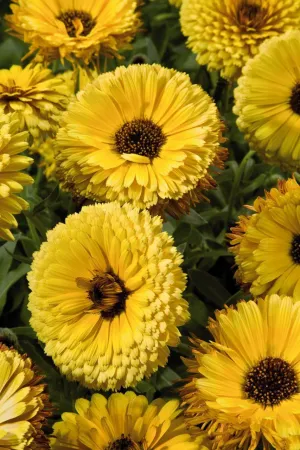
(12, 180)
(268, 101)
(24, 406)
(126, 422)
(107, 295)
(36, 96)
(71, 29)
(224, 34)
(143, 134)
(245, 386)
(266, 244)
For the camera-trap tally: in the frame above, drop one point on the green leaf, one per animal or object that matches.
(198, 309)
(194, 219)
(209, 286)
(47, 201)
(24, 332)
(6, 252)
(12, 277)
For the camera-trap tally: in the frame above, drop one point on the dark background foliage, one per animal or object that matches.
(200, 236)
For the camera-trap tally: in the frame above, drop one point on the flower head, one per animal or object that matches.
(36, 96)
(70, 29)
(12, 180)
(266, 244)
(126, 422)
(143, 134)
(24, 405)
(106, 295)
(224, 34)
(245, 386)
(268, 101)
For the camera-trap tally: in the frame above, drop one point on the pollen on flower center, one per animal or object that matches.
(125, 443)
(140, 136)
(250, 15)
(77, 23)
(108, 293)
(270, 382)
(295, 249)
(295, 99)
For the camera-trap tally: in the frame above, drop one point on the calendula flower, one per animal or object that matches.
(266, 244)
(12, 179)
(225, 34)
(143, 134)
(24, 404)
(36, 96)
(70, 29)
(268, 101)
(245, 386)
(106, 295)
(127, 422)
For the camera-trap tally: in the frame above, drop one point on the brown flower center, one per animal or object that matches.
(141, 137)
(295, 99)
(250, 15)
(10, 92)
(107, 291)
(295, 249)
(77, 23)
(271, 381)
(125, 443)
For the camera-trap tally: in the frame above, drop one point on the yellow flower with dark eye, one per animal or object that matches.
(24, 406)
(107, 295)
(245, 386)
(268, 101)
(12, 179)
(143, 134)
(71, 29)
(224, 34)
(36, 96)
(126, 422)
(266, 243)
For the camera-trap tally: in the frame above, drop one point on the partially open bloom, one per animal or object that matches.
(36, 96)
(71, 29)
(143, 134)
(245, 386)
(24, 405)
(106, 295)
(126, 422)
(268, 101)
(12, 179)
(224, 34)
(266, 243)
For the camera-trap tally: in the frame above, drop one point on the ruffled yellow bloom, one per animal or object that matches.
(143, 134)
(245, 386)
(268, 101)
(126, 422)
(24, 406)
(71, 29)
(106, 295)
(12, 180)
(36, 96)
(266, 244)
(224, 34)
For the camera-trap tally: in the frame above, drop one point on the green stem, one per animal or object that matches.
(236, 184)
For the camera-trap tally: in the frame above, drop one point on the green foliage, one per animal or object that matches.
(200, 236)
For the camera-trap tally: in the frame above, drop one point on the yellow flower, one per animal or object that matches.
(176, 3)
(143, 134)
(71, 29)
(48, 163)
(224, 34)
(268, 101)
(266, 244)
(12, 180)
(24, 406)
(245, 386)
(127, 422)
(106, 295)
(36, 96)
